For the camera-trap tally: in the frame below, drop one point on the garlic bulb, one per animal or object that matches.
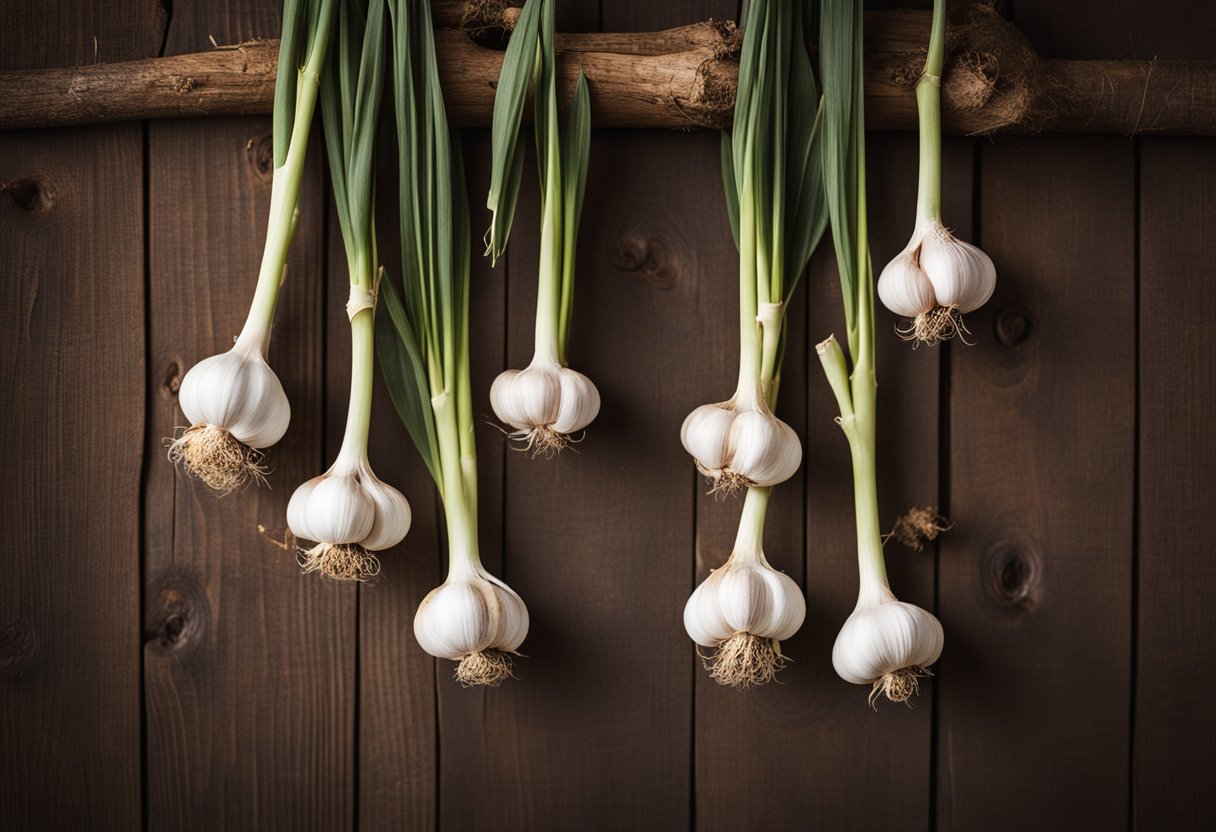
(544, 403)
(745, 608)
(236, 407)
(349, 513)
(936, 280)
(741, 443)
(475, 619)
(888, 644)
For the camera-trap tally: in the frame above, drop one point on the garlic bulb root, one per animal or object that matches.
(899, 685)
(545, 404)
(917, 526)
(215, 456)
(340, 561)
(941, 323)
(744, 660)
(485, 668)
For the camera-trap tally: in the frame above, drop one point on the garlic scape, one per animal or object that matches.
(547, 404)
(774, 198)
(473, 618)
(234, 402)
(745, 608)
(937, 278)
(886, 644)
(347, 512)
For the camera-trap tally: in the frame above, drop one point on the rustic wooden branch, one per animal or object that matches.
(678, 78)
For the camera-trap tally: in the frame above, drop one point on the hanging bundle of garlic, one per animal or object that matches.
(348, 512)
(774, 197)
(423, 345)
(234, 401)
(885, 643)
(937, 278)
(546, 403)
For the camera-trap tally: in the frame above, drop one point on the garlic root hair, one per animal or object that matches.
(542, 441)
(724, 482)
(917, 526)
(744, 660)
(216, 457)
(941, 323)
(899, 685)
(340, 561)
(487, 668)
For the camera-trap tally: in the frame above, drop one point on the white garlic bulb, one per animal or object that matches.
(741, 443)
(545, 403)
(888, 644)
(936, 280)
(236, 407)
(349, 513)
(475, 619)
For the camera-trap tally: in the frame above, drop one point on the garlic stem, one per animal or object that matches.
(749, 541)
(750, 346)
(550, 340)
(362, 371)
(284, 200)
(929, 111)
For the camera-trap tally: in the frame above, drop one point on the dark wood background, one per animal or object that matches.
(163, 664)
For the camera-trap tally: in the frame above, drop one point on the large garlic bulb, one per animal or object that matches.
(349, 513)
(745, 609)
(888, 644)
(741, 443)
(545, 404)
(475, 619)
(936, 280)
(236, 407)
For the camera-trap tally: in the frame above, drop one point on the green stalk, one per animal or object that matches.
(285, 192)
(362, 369)
(929, 110)
(549, 343)
(750, 344)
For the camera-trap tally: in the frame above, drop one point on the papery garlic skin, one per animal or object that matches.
(888, 644)
(935, 280)
(473, 618)
(544, 403)
(349, 513)
(741, 443)
(236, 407)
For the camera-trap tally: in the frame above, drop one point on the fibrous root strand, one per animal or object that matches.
(216, 457)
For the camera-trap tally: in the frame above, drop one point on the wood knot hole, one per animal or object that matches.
(1012, 326)
(171, 379)
(259, 151)
(1013, 575)
(644, 254)
(30, 193)
(177, 618)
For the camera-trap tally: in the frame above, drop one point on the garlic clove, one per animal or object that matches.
(237, 392)
(531, 397)
(887, 644)
(335, 510)
(763, 449)
(904, 288)
(476, 620)
(962, 275)
(393, 515)
(757, 599)
(579, 402)
(297, 510)
(703, 618)
(705, 434)
(503, 403)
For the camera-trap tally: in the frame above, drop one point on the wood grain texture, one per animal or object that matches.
(1175, 725)
(249, 673)
(1036, 576)
(72, 403)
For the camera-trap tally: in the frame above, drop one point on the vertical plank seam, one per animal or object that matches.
(149, 428)
(1134, 635)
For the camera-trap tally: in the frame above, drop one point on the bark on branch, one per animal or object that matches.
(678, 78)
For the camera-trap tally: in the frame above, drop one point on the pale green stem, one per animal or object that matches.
(929, 110)
(460, 511)
(284, 200)
(750, 346)
(549, 342)
(362, 369)
(749, 541)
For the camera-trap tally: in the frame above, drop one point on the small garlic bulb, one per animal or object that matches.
(936, 280)
(236, 407)
(349, 513)
(741, 443)
(888, 644)
(545, 404)
(475, 619)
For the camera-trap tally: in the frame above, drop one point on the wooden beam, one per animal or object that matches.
(677, 78)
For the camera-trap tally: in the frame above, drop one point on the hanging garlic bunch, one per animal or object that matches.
(234, 401)
(472, 618)
(937, 278)
(547, 403)
(744, 609)
(347, 511)
(886, 643)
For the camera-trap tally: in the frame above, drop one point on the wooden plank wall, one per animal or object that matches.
(163, 665)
